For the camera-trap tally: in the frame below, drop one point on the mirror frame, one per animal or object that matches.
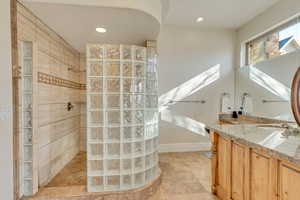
(295, 96)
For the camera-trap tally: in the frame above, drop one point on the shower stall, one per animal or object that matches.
(122, 117)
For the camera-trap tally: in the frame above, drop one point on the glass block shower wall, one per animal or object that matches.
(122, 117)
(26, 157)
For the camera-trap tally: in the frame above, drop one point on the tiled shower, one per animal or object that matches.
(114, 117)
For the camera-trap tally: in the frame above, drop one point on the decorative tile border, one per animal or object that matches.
(53, 80)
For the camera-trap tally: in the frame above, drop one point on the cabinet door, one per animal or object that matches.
(289, 183)
(238, 172)
(262, 177)
(224, 169)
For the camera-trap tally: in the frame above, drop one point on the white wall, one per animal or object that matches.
(183, 54)
(6, 158)
(281, 68)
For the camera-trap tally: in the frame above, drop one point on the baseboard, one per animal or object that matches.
(184, 147)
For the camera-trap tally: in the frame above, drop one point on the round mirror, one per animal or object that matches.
(295, 98)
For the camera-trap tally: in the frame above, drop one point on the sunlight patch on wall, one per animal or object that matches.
(184, 122)
(189, 87)
(269, 83)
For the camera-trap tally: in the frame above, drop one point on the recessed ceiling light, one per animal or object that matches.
(200, 19)
(101, 30)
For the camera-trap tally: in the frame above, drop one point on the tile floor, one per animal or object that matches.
(186, 176)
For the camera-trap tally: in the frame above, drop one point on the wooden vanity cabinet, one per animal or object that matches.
(263, 176)
(238, 172)
(243, 173)
(289, 182)
(224, 168)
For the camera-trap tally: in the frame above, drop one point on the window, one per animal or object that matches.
(280, 41)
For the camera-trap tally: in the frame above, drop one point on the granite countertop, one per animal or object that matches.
(250, 119)
(266, 138)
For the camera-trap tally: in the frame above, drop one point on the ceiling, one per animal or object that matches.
(77, 24)
(217, 13)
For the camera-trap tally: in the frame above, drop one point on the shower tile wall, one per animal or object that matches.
(58, 130)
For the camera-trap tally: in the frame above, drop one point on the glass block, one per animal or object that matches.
(156, 143)
(139, 132)
(27, 102)
(96, 165)
(138, 148)
(128, 85)
(27, 135)
(113, 165)
(113, 117)
(127, 54)
(27, 170)
(127, 117)
(112, 69)
(148, 175)
(96, 117)
(151, 55)
(27, 49)
(139, 101)
(127, 148)
(113, 101)
(96, 133)
(96, 101)
(113, 181)
(127, 131)
(95, 69)
(138, 164)
(27, 66)
(154, 171)
(139, 178)
(126, 164)
(150, 131)
(127, 181)
(95, 52)
(149, 161)
(27, 84)
(27, 116)
(96, 149)
(151, 116)
(112, 51)
(127, 101)
(127, 69)
(96, 181)
(139, 86)
(139, 70)
(139, 117)
(148, 146)
(113, 149)
(113, 85)
(28, 187)
(95, 85)
(151, 86)
(155, 157)
(151, 76)
(140, 54)
(113, 134)
(28, 153)
(151, 101)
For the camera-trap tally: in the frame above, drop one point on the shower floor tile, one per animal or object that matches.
(74, 173)
(185, 176)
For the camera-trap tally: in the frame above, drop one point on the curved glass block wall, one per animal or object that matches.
(122, 117)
